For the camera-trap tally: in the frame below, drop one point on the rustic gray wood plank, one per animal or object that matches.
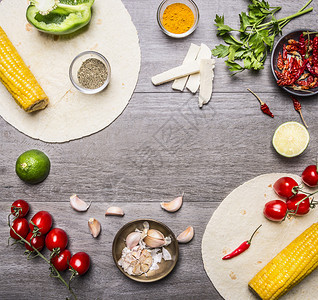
(162, 145)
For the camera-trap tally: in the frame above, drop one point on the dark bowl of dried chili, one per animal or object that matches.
(294, 63)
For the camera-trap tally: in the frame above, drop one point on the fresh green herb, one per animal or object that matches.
(258, 28)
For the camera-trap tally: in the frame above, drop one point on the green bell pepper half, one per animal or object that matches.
(66, 18)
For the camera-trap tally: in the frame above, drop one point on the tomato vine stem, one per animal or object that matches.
(58, 275)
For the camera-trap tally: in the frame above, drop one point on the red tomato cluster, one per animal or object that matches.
(295, 203)
(39, 234)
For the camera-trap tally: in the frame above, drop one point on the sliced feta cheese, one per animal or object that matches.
(193, 51)
(177, 72)
(194, 80)
(206, 76)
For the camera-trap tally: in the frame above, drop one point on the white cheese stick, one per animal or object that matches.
(180, 83)
(194, 80)
(177, 72)
(206, 84)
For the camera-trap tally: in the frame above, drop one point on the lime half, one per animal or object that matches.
(32, 166)
(290, 139)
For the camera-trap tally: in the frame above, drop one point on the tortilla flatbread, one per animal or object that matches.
(70, 114)
(233, 222)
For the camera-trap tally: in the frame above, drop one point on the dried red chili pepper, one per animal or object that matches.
(265, 109)
(243, 247)
(297, 107)
(302, 48)
(315, 54)
(280, 63)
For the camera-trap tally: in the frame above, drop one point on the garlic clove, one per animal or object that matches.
(78, 204)
(94, 227)
(133, 239)
(173, 205)
(186, 236)
(153, 242)
(154, 239)
(114, 211)
(154, 233)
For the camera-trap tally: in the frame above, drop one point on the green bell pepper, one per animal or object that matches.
(59, 16)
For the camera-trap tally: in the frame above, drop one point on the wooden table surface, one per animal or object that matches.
(161, 146)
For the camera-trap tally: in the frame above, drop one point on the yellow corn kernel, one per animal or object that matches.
(18, 79)
(289, 267)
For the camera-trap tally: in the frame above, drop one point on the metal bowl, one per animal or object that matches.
(278, 48)
(165, 267)
(191, 4)
(76, 64)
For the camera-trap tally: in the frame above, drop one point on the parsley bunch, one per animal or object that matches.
(258, 29)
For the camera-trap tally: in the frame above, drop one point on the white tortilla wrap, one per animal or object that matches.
(233, 222)
(71, 114)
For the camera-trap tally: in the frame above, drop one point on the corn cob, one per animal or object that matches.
(289, 267)
(18, 79)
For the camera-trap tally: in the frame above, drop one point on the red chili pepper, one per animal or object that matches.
(302, 46)
(264, 107)
(297, 107)
(315, 53)
(243, 247)
(265, 110)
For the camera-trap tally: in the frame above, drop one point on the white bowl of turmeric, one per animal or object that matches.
(178, 18)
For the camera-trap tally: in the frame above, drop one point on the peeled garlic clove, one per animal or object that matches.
(173, 205)
(114, 211)
(133, 239)
(186, 236)
(154, 239)
(94, 227)
(79, 204)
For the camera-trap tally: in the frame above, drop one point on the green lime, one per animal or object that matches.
(32, 166)
(290, 139)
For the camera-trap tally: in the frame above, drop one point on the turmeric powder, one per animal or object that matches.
(177, 18)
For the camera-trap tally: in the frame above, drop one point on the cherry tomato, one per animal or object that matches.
(20, 208)
(62, 260)
(37, 242)
(80, 262)
(43, 220)
(275, 210)
(284, 187)
(21, 227)
(303, 208)
(56, 238)
(310, 176)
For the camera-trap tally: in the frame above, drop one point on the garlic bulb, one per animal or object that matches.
(114, 211)
(94, 227)
(154, 239)
(133, 239)
(173, 205)
(79, 204)
(186, 236)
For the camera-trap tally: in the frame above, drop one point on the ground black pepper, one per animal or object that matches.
(92, 73)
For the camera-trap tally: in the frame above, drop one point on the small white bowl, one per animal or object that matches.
(77, 63)
(191, 4)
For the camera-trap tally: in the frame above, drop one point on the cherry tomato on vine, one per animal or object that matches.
(62, 260)
(304, 206)
(37, 242)
(42, 221)
(284, 187)
(275, 210)
(310, 176)
(80, 262)
(56, 238)
(19, 208)
(21, 227)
